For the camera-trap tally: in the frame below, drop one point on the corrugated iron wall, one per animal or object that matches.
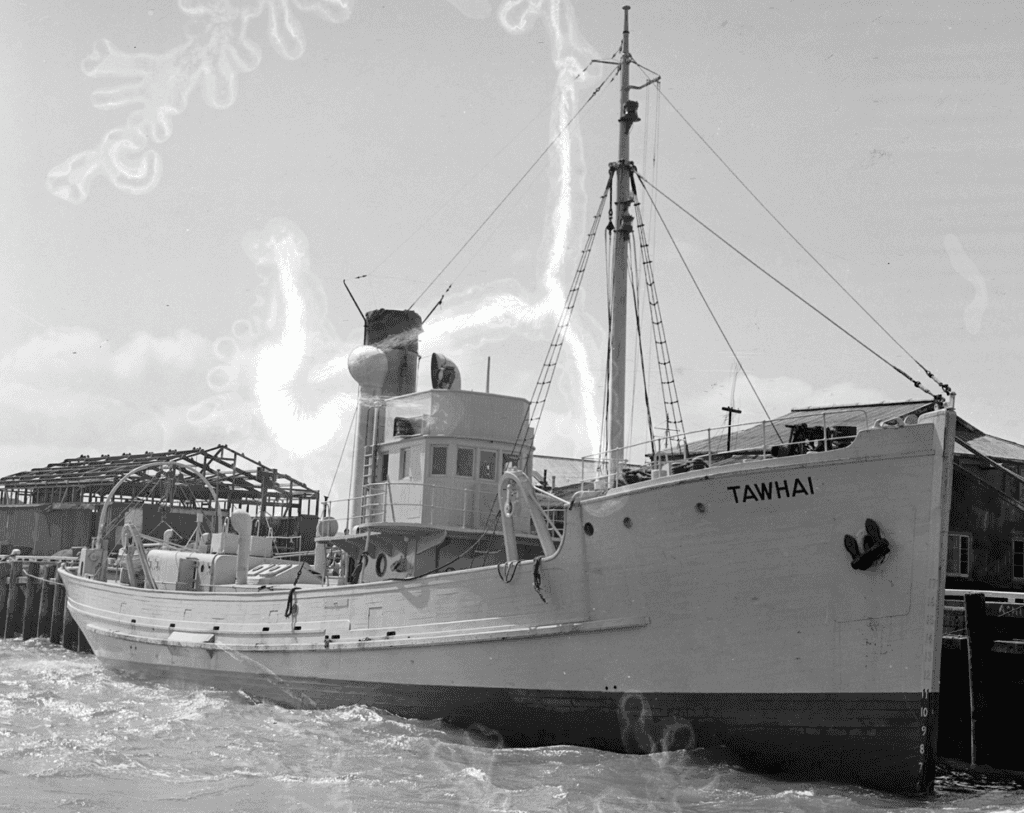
(43, 530)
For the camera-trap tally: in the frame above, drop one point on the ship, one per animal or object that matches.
(776, 598)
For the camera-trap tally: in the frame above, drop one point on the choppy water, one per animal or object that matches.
(74, 737)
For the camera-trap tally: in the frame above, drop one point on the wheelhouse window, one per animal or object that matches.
(958, 555)
(508, 457)
(1018, 557)
(439, 460)
(464, 462)
(488, 462)
(403, 464)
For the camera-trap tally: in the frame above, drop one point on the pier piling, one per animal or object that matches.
(30, 615)
(15, 602)
(979, 643)
(5, 577)
(57, 612)
(72, 638)
(33, 604)
(47, 575)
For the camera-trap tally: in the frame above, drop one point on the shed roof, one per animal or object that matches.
(237, 479)
(563, 471)
(997, 448)
(860, 415)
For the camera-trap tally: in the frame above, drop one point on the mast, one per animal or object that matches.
(623, 231)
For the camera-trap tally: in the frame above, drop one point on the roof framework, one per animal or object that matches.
(238, 480)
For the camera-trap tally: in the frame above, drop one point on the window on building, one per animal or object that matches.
(464, 463)
(1016, 488)
(1018, 557)
(958, 555)
(438, 459)
(488, 462)
(403, 464)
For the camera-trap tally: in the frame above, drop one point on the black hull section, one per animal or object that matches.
(875, 740)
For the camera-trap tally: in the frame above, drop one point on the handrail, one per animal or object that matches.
(474, 506)
(718, 445)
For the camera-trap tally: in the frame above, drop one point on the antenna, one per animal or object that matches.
(352, 297)
(732, 388)
(728, 434)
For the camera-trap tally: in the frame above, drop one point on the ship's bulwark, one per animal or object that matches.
(675, 614)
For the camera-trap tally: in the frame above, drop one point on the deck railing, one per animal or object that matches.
(473, 507)
(703, 448)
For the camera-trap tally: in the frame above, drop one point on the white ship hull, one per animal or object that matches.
(711, 608)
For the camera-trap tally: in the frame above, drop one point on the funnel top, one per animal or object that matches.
(392, 328)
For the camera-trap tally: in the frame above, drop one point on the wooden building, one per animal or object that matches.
(57, 507)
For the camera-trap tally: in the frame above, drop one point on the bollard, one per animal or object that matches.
(48, 573)
(5, 576)
(30, 615)
(57, 617)
(15, 602)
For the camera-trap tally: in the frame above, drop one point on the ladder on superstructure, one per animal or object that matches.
(371, 497)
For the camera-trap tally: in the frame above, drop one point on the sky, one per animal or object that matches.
(186, 188)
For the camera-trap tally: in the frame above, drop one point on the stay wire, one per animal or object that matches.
(470, 180)
(640, 345)
(522, 178)
(481, 245)
(944, 387)
(541, 388)
(341, 454)
(785, 287)
(707, 305)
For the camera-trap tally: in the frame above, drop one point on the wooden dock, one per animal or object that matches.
(32, 603)
(982, 679)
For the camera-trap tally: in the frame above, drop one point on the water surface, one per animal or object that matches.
(76, 737)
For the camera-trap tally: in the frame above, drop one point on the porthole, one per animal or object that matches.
(588, 529)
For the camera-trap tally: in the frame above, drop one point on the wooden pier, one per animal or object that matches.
(982, 679)
(33, 603)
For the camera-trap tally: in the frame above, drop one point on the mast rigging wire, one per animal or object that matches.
(635, 275)
(437, 211)
(341, 454)
(707, 305)
(944, 387)
(669, 395)
(515, 186)
(785, 287)
(543, 385)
